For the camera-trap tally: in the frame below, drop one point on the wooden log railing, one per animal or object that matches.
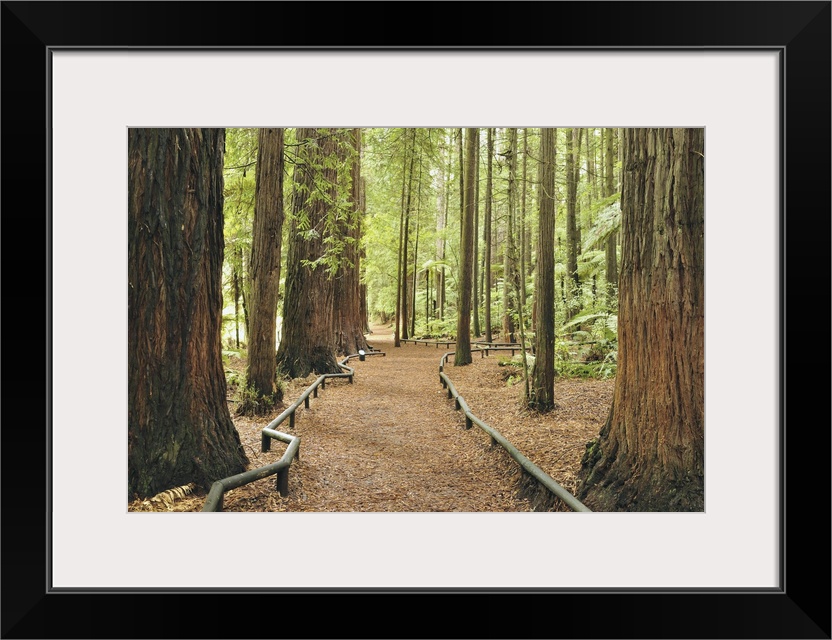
(497, 438)
(280, 468)
(448, 343)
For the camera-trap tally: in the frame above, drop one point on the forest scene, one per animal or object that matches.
(416, 319)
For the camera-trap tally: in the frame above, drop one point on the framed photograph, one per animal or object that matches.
(755, 75)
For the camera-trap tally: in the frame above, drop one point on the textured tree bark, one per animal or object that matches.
(649, 455)
(462, 355)
(349, 322)
(308, 342)
(179, 427)
(265, 269)
(543, 373)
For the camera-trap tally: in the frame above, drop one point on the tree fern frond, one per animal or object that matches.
(606, 224)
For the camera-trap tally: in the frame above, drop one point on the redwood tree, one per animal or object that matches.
(179, 426)
(308, 341)
(489, 187)
(462, 355)
(349, 321)
(649, 455)
(265, 270)
(543, 374)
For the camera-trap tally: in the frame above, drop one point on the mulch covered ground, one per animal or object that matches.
(392, 442)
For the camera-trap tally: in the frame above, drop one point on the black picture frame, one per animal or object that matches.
(800, 31)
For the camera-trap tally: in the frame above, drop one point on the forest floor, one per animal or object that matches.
(391, 441)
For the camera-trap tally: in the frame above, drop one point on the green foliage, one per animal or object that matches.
(249, 402)
(607, 222)
(330, 176)
(445, 328)
(591, 263)
(384, 165)
(513, 367)
(587, 345)
(239, 178)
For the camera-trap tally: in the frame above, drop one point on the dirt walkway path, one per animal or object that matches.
(389, 442)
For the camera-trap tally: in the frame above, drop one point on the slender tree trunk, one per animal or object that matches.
(362, 207)
(476, 296)
(578, 164)
(406, 240)
(265, 271)
(611, 247)
(243, 296)
(400, 267)
(443, 292)
(428, 316)
(237, 307)
(571, 221)
(416, 249)
(542, 397)
(349, 324)
(592, 174)
(441, 218)
(525, 251)
(461, 180)
(487, 243)
(509, 261)
(463, 325)
(179, 429)
(649, 455)
(308, 343)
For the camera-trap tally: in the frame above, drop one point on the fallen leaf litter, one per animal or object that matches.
(392, 442)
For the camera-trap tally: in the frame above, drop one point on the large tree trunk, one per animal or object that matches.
(308, 342)
(265, 270)
(463, 324)
(543, 374)
(349, 322)
(650, 453)
(179, 427)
